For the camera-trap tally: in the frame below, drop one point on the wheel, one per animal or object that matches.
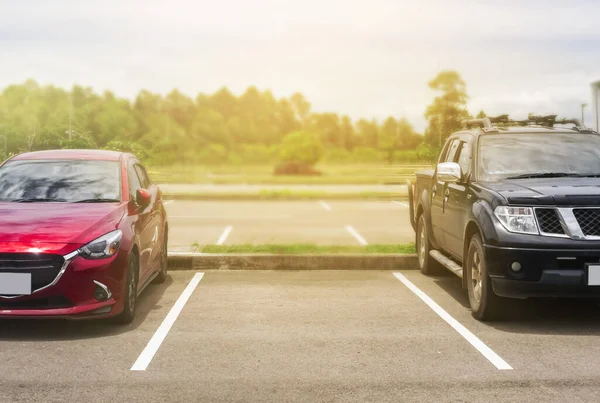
(129, 304)
(485, 304)
(427, 264)
(162, 275)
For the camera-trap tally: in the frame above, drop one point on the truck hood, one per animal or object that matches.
(57, 223)
(549, 191)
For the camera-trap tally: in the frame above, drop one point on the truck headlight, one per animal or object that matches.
(103, 247)
(517, 219)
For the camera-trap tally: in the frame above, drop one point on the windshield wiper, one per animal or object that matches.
(546, 175)
(37, 200)
(97, 200)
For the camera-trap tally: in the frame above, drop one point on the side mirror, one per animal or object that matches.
(448, 172)
(143, 198)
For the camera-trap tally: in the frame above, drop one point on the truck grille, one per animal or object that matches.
(549, 221)
(43, 268)
(588, 220)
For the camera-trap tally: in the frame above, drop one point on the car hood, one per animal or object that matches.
(58, 223)
(549, 191)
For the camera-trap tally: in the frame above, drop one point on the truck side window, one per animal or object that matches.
(451, 156)
(464, 158)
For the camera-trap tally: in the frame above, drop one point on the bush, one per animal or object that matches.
(363, 154)
(301, 147)
(127, 147)
(213, 154)
(256, 154)
(295, 168)
(339, 155)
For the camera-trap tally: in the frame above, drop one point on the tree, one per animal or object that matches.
(389, 139)
(448, 110)
(368, 133)
(301, 146)
(481, 114)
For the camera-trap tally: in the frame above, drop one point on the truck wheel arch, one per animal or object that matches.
(472, 229)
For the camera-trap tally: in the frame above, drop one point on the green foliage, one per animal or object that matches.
(448, 110)
(481, 114)
(338, 155)
(366, 154)
(301, 146)
(251, 128)
(213, 154)
(127, 147)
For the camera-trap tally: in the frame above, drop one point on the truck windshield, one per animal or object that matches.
(503, 156)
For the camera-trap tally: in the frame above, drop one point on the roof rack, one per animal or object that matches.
(493, 123)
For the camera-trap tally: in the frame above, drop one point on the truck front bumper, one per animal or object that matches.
(544, 272)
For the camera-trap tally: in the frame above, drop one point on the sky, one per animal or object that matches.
(370, 58)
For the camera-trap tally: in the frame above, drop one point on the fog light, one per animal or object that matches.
(102, 311)
(102, 293)
(516, 267)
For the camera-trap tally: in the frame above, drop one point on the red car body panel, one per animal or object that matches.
(62, 228)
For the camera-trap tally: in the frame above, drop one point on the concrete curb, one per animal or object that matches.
(207, 261)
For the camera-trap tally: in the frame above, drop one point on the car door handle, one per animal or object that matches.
(433, 190)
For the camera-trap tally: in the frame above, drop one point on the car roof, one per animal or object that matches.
(100, 155)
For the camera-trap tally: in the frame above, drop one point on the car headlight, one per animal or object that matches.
(517, 219)
(103, 247)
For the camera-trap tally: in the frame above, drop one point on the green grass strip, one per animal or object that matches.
(305, 249)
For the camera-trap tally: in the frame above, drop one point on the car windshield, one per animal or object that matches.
(60, 181)
(538, 155)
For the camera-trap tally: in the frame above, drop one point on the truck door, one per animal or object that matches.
(438, 198)
(457, 203)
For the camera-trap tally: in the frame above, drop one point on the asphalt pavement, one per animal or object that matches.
(324, 336)
(283, 222)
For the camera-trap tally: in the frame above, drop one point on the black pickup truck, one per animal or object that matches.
(513, 208)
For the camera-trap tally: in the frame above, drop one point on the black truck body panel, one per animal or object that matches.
(552, 266)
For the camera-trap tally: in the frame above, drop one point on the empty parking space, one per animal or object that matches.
(312, 327)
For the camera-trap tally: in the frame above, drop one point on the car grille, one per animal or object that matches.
(43, 268)
(549, 221)
(588, 220)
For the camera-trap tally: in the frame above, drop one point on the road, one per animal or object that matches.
(329, 336)
(283, 222)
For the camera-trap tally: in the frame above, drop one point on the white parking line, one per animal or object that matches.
(463, 331)
(159, 336)
(403, 204)
(224, 235)
(325, 205)
(356, 235)
(168, 202)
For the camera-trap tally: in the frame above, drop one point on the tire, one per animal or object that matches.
(130, 292)
(427, 264)
(485, 304)
(162, 275)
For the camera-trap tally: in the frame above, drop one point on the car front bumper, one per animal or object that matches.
(553, 273)
(73, 296)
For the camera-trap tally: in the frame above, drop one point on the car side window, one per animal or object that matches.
(464, 158)
(144, 180)
(134, 181)
(450, 157)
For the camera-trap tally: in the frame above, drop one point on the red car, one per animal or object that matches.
(82, 233)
